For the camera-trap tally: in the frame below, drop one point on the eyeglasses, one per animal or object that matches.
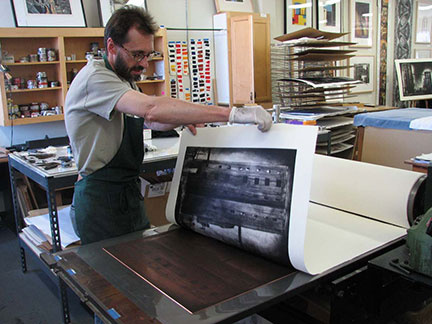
(139, 56)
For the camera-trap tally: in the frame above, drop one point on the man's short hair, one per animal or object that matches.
(124, 19)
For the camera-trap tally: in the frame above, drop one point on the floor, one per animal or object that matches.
(31, 297)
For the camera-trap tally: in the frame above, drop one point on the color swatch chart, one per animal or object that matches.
(190, 64)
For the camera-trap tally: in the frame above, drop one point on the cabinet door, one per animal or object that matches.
(242, 59)
(261, 52)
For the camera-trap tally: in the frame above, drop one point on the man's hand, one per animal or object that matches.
(193, 127)
(251, 115)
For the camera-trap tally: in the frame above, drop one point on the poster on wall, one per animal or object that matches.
(361, 20)
(329, 16)
(298, 15)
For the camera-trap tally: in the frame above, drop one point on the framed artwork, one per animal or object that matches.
(329, 15)
(414, 78)
(36, 13)
(422, 53)
(423, 22)
(234, 5)
(298, 15)
(106, 8)
(361, 20)
(363, 69)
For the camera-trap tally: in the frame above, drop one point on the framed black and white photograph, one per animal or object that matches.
(414, 79)
(234, 5)
(329, 15)
(361, 20)
(227, 189)
(49, 13)
(298, 15)
(423, 22)
(362, 69)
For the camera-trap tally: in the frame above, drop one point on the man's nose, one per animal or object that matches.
(144, 62)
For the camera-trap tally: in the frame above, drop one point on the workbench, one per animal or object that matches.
(385, 137)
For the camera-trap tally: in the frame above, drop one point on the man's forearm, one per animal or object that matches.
(160, 126)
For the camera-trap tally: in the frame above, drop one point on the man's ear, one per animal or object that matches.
(111, 47)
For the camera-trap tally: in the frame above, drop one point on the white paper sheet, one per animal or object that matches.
(334, 237)
(367, 189)
(299, 138)
(424, 123)
(319, 237)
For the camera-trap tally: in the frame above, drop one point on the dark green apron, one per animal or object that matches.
(108, 202)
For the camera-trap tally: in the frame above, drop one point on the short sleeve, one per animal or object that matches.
(103, 91)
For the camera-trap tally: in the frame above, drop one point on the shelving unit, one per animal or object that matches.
(50, 184)
(307, 83)
(21, 42)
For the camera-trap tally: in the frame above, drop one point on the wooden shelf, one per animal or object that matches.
(34, 120)
(31, 63)
(36, 89)
(150, 81)
(76, 61)
(65, 41)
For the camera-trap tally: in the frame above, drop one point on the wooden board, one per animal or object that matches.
(105, 292)
(193, 270)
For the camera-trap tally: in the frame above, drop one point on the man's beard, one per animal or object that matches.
(124, 71)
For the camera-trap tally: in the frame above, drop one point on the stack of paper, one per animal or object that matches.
(67, 233)
(37, 237)
(424, 157)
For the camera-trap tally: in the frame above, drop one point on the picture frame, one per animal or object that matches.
(29, 13)
(298, 14)
(106, 8)
(363, 69)
(423, 53)
(234, 5)
(361, 22)
(329, 15)
(414, 79)
(423, 31)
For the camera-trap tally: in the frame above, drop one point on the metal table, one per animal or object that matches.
(50, 181)
(126, 298)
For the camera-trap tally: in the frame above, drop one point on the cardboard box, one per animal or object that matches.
(155, 200)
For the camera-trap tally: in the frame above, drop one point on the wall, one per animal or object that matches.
(6, 15)
(170, 13)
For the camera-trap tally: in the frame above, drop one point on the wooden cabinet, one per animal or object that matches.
(242, 58)
(71, 46)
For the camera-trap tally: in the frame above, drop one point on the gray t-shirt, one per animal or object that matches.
(94, 127)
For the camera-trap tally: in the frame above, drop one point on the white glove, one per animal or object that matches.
(249, 115)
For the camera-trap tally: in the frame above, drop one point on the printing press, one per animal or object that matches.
(172, 274)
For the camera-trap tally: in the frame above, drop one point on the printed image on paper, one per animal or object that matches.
(57, 7)
(299, 15)
(362, 11)
(241, 196)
